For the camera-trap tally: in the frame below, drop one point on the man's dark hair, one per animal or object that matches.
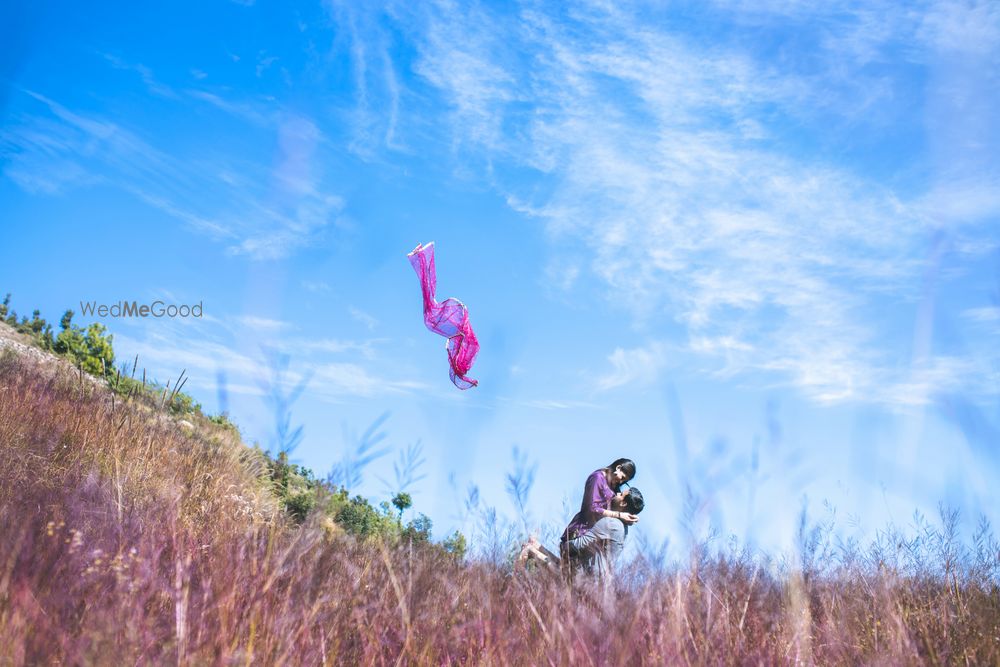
(633, 501)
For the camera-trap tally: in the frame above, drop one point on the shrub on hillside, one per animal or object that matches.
(130, 541)
(89, 348)
(92, 350)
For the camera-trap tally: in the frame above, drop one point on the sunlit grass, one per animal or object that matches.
(129, 539)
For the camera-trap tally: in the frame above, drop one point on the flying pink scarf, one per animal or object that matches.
(450, 318)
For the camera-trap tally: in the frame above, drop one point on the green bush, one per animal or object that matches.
(37, 328)
(357, 517)
(296, 487)
(89, 348)
(455, 545)
(92, 350)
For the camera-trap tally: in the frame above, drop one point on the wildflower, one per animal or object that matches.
(76, 541)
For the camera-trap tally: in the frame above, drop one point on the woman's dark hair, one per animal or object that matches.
(627, 467)
(633, 501)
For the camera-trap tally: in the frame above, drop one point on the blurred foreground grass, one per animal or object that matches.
(130, 538)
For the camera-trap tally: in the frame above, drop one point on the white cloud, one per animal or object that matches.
(366, 348)
(667, 158)
(254, 113)
(378, 90)
(553, 404)
(986, 314)
(340, 380)
(204, 349)
(939, 376)
(264, 324)
(562, 273)
(971, 28)
(153, 85)
(168, 351)
(459, 56)
(362, 317)
(266, 212)
(641, 365)
(963, 201)
(317, 286)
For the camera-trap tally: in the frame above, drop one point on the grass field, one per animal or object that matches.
(128, 538)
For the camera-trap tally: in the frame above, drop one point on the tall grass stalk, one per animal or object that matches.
(142, 542)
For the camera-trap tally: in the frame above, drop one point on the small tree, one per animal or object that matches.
(293, 484)
(455, 545)
(418, 530)
(100, 356)
(402, 501)
(359, 518)
(70, 341)
(92, 349)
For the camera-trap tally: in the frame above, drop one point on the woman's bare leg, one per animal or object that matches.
(534, 549)
(541, 548)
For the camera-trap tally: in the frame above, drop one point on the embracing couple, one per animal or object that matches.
(595, 537)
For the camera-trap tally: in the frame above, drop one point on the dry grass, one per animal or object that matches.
(128, 539)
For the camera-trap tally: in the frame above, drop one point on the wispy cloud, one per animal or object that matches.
(556, 404)
(166, 351)
(253, 113)
(377, 85)
(153, 85)
(298, 208)
(317, 286)
(363, 318)
(264, 62)
(366, 348)
(986, 314)
(338, 380)
(962, 27)
(264, 324)
(463, 53)
(641, 365)
(672, 160)
(338, 370)
(265, 212)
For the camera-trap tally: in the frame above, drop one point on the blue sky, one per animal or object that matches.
(751, 245)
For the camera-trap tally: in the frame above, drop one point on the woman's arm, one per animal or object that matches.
(625, 517)
(600, 495)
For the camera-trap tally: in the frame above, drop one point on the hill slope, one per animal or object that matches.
(131, 538)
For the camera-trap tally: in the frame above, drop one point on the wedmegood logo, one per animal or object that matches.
(135, 309)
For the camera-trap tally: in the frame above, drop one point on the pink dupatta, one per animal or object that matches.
(450, 318)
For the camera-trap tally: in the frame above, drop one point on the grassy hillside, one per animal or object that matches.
(134, 535)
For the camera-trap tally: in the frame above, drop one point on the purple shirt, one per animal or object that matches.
(597, 497)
